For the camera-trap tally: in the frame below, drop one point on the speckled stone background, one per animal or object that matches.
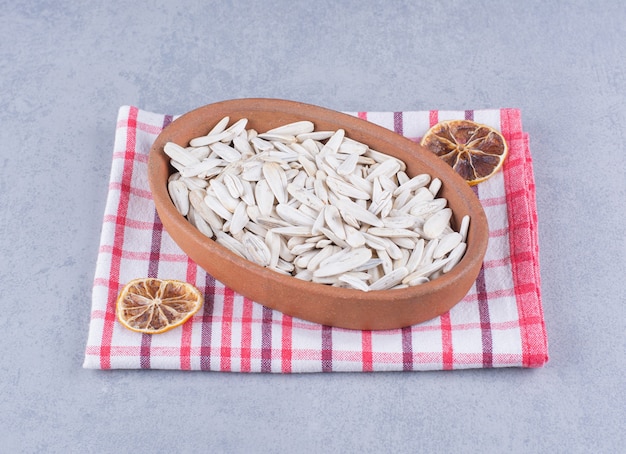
(67, 67)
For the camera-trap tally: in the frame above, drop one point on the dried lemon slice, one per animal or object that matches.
(153, 306)
(474, 151)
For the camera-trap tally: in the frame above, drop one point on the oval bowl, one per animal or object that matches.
(319, 303)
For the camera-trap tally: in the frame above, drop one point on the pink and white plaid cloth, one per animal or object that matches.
(498, 324)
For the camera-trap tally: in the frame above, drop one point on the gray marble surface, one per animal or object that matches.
(67, 67)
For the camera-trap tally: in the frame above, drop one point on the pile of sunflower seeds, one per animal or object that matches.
(315, 205)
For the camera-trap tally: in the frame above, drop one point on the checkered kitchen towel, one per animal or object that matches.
(498, 324)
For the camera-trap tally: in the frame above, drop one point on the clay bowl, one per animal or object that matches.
(346, 308)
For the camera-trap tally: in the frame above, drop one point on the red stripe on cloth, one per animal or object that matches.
(142, 256)
(227, 330)
(118, 239)
(362, 115)
(493, 201)
(447, 355)
(139, 157)
(520, 191)
(433, 117)
(143, 193)
(132, 223)
(287, 348)
(144, 352)
(207, 322)
(407, 348)
(246, 335)
(185, 337)
(327, 349)
(505, 261)
(266, 340)
(469, 115)
(147, 127)
(496, 233)
(366, 351)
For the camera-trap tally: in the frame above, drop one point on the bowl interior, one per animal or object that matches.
(320, 303)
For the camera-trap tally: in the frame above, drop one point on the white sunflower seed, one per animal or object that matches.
(293, 230)
(416, 255)
(425, 209)
(272, 241)
(242, 145)
(354, 237)
(210, 139)
(198, 222)
(179, 193)
(256, 228)
(277, 137)
(435, 225)
(226, 152)
(404, 243)
(293, 215)
(434, 186)
(464, 228)
(348, 165)
(219, 126)
(392, 232)
(256, 249)
(213, 202)
(264, 197)
(390, 280)
(223, 195)
(196, 199)
(416, 280)
(294, 129)
(302, 260)
(240, 218)
(427, 270)
(354, 281)
(233, 185)
(319, 187)
(322, 255)
(306, 197)
(314, 135)
(179, 154)
(334, 222)
(446, 244)
(455, 257)
(358, 212)
(334, 238)
(340, 187)
(277, 180)
(351, 146)
(386, 262)
(387, 168)
(429, 250)
(399, 221)
(343, 262)
(270, 222)
(333, 143)
(202, 167)
(369, 265)
(230, 243)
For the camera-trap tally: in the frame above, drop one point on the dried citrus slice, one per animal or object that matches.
(474, 151)
(153, 306)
